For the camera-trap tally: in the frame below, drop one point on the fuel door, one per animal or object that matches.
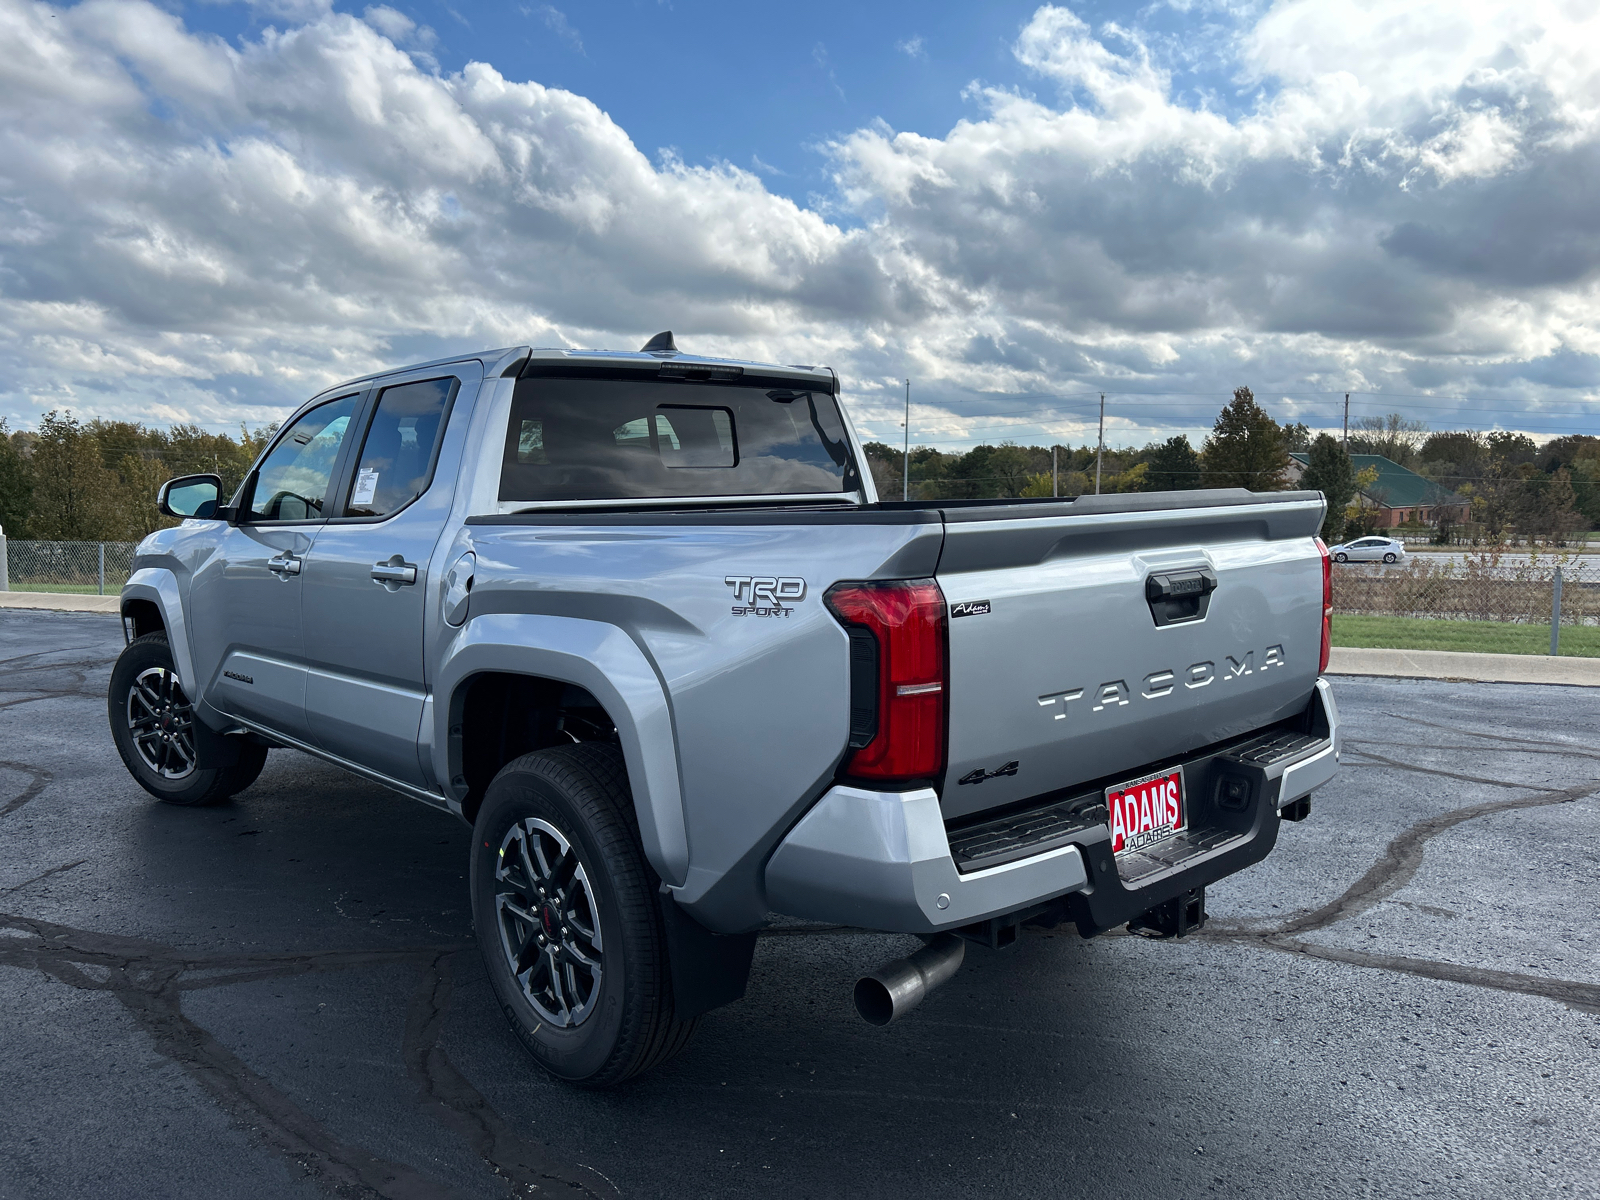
(458, 589)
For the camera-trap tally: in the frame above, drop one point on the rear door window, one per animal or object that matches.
(397, 456)
(607, 439)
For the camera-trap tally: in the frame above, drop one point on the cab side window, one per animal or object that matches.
(292, 481)
(397, 455)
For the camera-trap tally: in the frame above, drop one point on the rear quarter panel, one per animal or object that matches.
(759, 703)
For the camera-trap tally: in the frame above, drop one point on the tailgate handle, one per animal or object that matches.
(1177, 596)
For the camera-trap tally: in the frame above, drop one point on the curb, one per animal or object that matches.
(1472, 668)
(61, 602)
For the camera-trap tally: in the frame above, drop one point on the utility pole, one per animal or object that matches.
(1100, 450)
(1055, 473)
(905, 464)
(1347, 422)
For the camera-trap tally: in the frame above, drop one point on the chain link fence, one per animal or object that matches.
(1477, 588)
(90, 568)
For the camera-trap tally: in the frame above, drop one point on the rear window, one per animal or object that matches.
(603, 439)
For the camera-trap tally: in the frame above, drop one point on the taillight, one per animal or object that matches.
(897, 673)
(1327, 605)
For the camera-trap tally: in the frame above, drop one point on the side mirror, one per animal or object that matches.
(190, 496)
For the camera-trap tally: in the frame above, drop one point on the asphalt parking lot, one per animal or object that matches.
(279, 997)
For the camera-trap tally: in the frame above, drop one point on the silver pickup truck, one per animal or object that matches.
(642, 620)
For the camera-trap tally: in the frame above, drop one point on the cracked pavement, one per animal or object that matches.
(279, 997)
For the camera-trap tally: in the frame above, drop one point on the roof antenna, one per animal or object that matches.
(662, 343)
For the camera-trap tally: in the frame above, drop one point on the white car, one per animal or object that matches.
(1369, 549)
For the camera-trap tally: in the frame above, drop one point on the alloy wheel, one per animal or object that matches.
(549, 922)
(161, 723)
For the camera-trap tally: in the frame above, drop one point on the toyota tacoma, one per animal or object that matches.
(642, 621)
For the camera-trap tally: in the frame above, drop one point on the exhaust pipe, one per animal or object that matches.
(897, 987)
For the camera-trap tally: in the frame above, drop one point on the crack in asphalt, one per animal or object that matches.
(459, 1106)
(22, 658)
(1394, 869)
(1382, 760)
(77, 672)
(55, 870)
(1585, 997)
(149, 980)
(1535, 748)
(1586, 751)
(39, 779)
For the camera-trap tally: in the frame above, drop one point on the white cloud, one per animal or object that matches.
(912, 47)
(212, 231)
(390, 22)
(556, 22)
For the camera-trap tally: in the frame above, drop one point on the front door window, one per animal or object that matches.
(292, 481)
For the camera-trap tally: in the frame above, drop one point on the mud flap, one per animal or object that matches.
(708, 969)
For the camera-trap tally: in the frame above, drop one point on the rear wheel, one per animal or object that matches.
(172, 755)
(1389, 557)
(566, 914)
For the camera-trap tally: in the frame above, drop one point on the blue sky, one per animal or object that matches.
(764, 85)
(209, 211)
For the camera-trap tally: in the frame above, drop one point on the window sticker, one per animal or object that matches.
(366, 486)
(530, 443)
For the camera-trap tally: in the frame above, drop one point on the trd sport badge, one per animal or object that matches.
(765, 595)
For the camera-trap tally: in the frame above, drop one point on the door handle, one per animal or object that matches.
(395, 571)
(284, 565)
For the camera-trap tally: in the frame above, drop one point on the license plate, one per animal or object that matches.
(1146, 811)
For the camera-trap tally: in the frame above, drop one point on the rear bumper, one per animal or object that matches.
(1301, 776)
(883, 860)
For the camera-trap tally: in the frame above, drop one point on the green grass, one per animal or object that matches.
(1482, 637)
(113, 587)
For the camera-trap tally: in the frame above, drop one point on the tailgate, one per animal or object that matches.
(1087, 641)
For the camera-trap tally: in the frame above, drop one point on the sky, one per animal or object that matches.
(210, 211)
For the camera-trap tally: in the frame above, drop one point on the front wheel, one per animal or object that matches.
(567, 917)
(172, 755)
(1341, 558)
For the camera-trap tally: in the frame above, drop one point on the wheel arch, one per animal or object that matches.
(153, 603)
(506, 678)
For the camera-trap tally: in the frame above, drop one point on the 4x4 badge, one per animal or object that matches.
(980, 774)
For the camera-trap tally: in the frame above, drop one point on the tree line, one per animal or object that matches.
(96, 481)
(1512, 486)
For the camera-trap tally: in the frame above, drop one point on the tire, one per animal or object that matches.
(173, 756)
(1389, 557)
(1341, 558)
(599, 1024)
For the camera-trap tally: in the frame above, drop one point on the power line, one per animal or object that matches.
(1513, 403)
